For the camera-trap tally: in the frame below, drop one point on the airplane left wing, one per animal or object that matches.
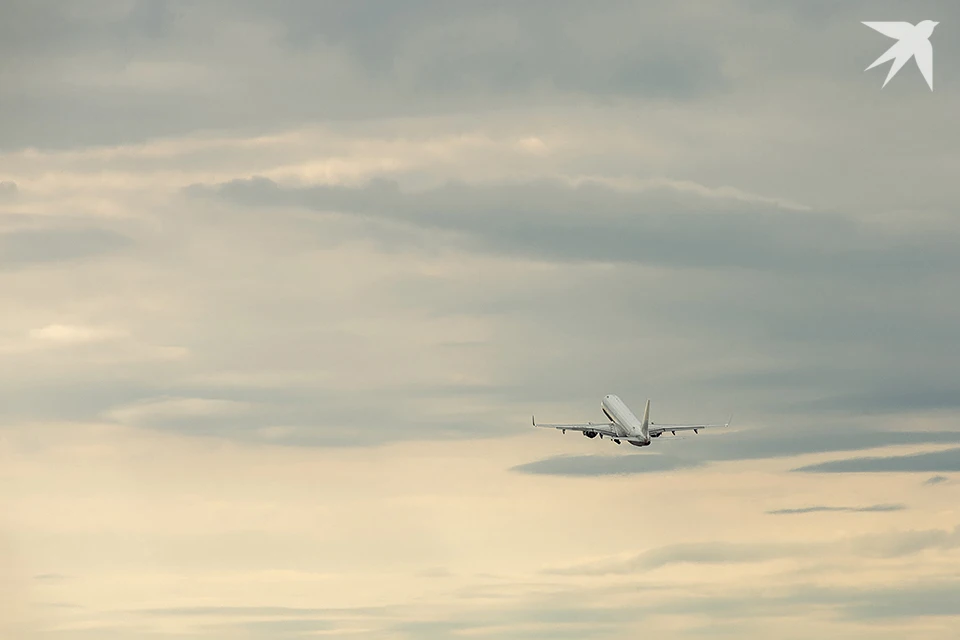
(603, 428)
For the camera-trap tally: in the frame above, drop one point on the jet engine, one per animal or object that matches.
(590, 434)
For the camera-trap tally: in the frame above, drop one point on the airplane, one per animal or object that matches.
(624, 425)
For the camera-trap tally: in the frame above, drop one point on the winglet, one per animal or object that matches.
(533, 420)
(729, 420)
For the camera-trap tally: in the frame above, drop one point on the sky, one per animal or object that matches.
(284, 283)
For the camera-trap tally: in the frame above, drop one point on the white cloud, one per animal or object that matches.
(67, 334)
(145, 411)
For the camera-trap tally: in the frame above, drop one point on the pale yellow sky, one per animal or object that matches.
(118, 522)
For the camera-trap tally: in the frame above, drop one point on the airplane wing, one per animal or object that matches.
(608, 429)
(656, 429)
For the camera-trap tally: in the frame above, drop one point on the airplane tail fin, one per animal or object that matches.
(645, 427)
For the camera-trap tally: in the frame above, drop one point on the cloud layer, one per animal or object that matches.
(284, 282)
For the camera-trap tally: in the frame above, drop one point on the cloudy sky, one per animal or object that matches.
(283, 283)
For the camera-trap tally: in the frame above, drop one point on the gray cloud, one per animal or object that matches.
(887, 545)
(785, 282)
(32, 247)
(554, 619)
(592, 222)
(709, 553)
(923, 600)
(135, 70)
(749, 444)
(600, 465)
(341, 419)
(291, 628)
(773, 323)
(500, 47)
(930, 396)
(948, 460)
(562, 615)
(851, 314)
(259, 621)
(362, 60)
(779, 442)
(936, 480)
(219, 612)
(818, 509)
(879, 604)
(49, 577)
(583, 612)
(8, 189)
(304, 415)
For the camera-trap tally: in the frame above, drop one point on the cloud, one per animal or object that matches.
(593, 222)
(778, 442)
(892, 400)
(502, 48)
(740, 611)
(597, 465)
(74, 334)
(936, 480)
(883, 546)
(542, 618)
(267, 526)
(8, 189)
(122, 70)
(193, 410)
(262, 612)
(878, 605)
(36, 247)
(291, 628)
(467, 213)
(306, 414)
(911, 601)
(948, 460)
(832, 363)
(818, 509)
(748, 444)
(691, 553)
(50, 577)
(260, 621)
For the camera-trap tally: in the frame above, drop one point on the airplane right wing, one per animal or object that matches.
(608, 429)
(657, 429)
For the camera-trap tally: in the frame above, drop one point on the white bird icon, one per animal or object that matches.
(913, 42)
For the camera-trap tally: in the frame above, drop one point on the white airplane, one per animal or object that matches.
(624, 425)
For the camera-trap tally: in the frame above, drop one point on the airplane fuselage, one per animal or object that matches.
(634, 430)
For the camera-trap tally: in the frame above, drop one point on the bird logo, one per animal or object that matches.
(913, 41)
